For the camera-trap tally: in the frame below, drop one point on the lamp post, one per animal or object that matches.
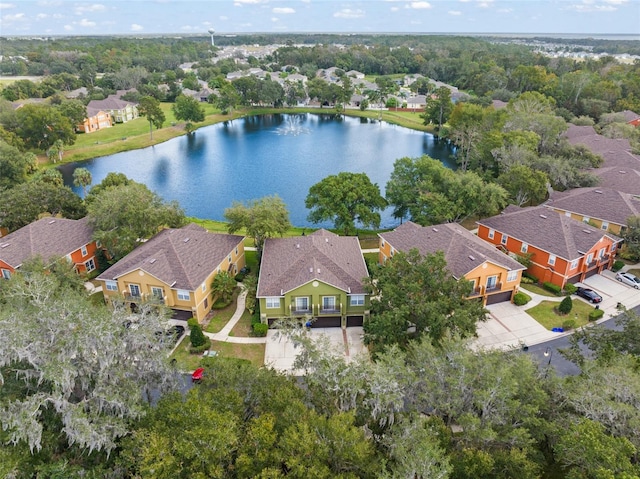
(548, 353)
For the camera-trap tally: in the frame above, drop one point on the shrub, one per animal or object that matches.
(617, 265)
(202, 348)
(570, 288)
(568, 324)
(554, 288)
(596, 314)
(526, 280)
(530, 276)
(191, 322)
(566, 305)
(197, 336)
(260, 329)
(520, 299)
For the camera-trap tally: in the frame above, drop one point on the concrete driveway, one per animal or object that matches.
(605, 285)
(281, 352)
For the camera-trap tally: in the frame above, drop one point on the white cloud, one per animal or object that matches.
(419, 5)
(86, 23)
(223, 17)
(415, 22)
(18, 17)
(92, 8)
(57, 15)
(394, 9)
(275, 19)
(283, 10)
(454, 12)
(136, 28)
(616, 2)
(7, 5)
(68, 28)
(239, 3)
(485, 3)
(348, 13)
(591, 7)
(505, 10)
(42, 16)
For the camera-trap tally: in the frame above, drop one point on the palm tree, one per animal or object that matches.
(223, 286)
(82, 177)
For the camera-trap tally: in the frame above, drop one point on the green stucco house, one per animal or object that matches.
(316, 278)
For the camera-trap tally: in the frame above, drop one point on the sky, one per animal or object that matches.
(140, 17)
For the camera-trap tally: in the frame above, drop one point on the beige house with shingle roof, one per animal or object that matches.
(177, 267)
(604, 208)
(49, 238)
(495, 275)
(316, 278)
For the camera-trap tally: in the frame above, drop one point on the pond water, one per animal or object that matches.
(253, 157)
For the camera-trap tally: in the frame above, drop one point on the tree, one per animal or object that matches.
(223, 286)
(150, 107)
(631, 236)
(24, 203)
(345, 198)
(415, 296)
(465, 129)
(438, 107)
(524, 184)
(188, 109)
(566, 305)
(261, 219)
(40, 126)
(111, 180)
(82, 177)
(228, 98)
(122, 216)
(55, 152)
(15, 166)
(75, 110)
(83, 370)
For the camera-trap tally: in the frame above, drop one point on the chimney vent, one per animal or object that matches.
(543, 216)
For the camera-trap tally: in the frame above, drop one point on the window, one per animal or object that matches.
(492, 282)
(134, 289)
(605, 225)
(157, 293)
(512, 276)
(98, 244)
(90, 265)
(552, 259)
(203, 287)
(357, 300)
(273, 302)
(229, 258)
(236, 251)
(83, 250)
(206, 303)
(491, 233)
(6, 274)
(574, 264)
(613, 247)
(473, 284)
(524, 248)
(382, 243)
(601, 253)
(567, 213)
(112, 286)
(183, 295)
(329, 303)
(586, 219)
(302, 303)
(504, 239)
(590, 258)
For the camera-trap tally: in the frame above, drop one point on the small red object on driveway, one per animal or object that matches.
(197, 375)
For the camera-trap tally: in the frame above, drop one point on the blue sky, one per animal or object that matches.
(106, 17)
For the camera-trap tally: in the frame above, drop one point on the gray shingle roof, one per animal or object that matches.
(575, 131)
(463, 251)
(602, 203)
(554, 233)
(47, 238)
(112, 102)
(181, 258)
(621, 179)
(288, 263)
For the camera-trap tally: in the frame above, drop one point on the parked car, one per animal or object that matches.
(589, 294)
(628, 278)
(196, 377)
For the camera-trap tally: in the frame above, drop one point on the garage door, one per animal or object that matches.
(331, 322)
(499, 297)
(574, 279)
(588, 274)
(355, 321)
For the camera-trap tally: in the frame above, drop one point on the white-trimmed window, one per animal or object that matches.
(229, 258)
(613, 247)
(98, 244)
(586, 219)
(6, 274)
(552, 259)
(504, 239)
(134, 290)
(329, 303)
(382, 243)
(273, 302)
(302, 303)
(512, 276)
(184, 295)
(90, 265)
(236, 251)
(492, 233)
(601, 253)
(605, 225)
(203, 287)
(357, 300)
(574, 264)
(567, 213)
(111, 285)
(83, 250)
(157, 292)
(492, 282)
(590, 258)
(524, 248)
(473, 285)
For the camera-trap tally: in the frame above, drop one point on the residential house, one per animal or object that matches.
(95, 120)
(631, 117)
(121, 111)
(50, 239)
(417, 102)
(603, 208)
(176, 267)
(621, 179)
(355, 74)
(561, 250)
(317, 278)
(495, 275)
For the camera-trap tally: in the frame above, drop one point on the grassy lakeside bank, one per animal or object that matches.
(134, 134)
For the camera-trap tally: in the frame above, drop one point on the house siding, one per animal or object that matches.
(614, 228)
(79, 259)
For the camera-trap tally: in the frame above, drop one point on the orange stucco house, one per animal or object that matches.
(176, 267)
(561, 249)
(49, 238)
(495, 276)
(96, 120)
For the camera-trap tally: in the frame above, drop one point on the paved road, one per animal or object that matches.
(555, 360)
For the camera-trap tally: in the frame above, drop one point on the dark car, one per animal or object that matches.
(589, 294)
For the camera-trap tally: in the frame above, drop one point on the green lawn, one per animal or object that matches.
(222, 316)
(186, 361)
(545, 314)
(534, 288)
(635, 272)
(242, 329)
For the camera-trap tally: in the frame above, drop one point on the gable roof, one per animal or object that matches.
(46, 237)
(288, 263)
(576, 131)
(630, 116)
(181, 258)
(621, 179)
(548, 231)
(112, 102)
(602, 203)
(463, 251)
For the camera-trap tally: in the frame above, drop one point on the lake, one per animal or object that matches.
(257, 156)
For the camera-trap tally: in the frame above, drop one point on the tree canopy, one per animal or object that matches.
(346, 198)
(150, 107)
(188, 109)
